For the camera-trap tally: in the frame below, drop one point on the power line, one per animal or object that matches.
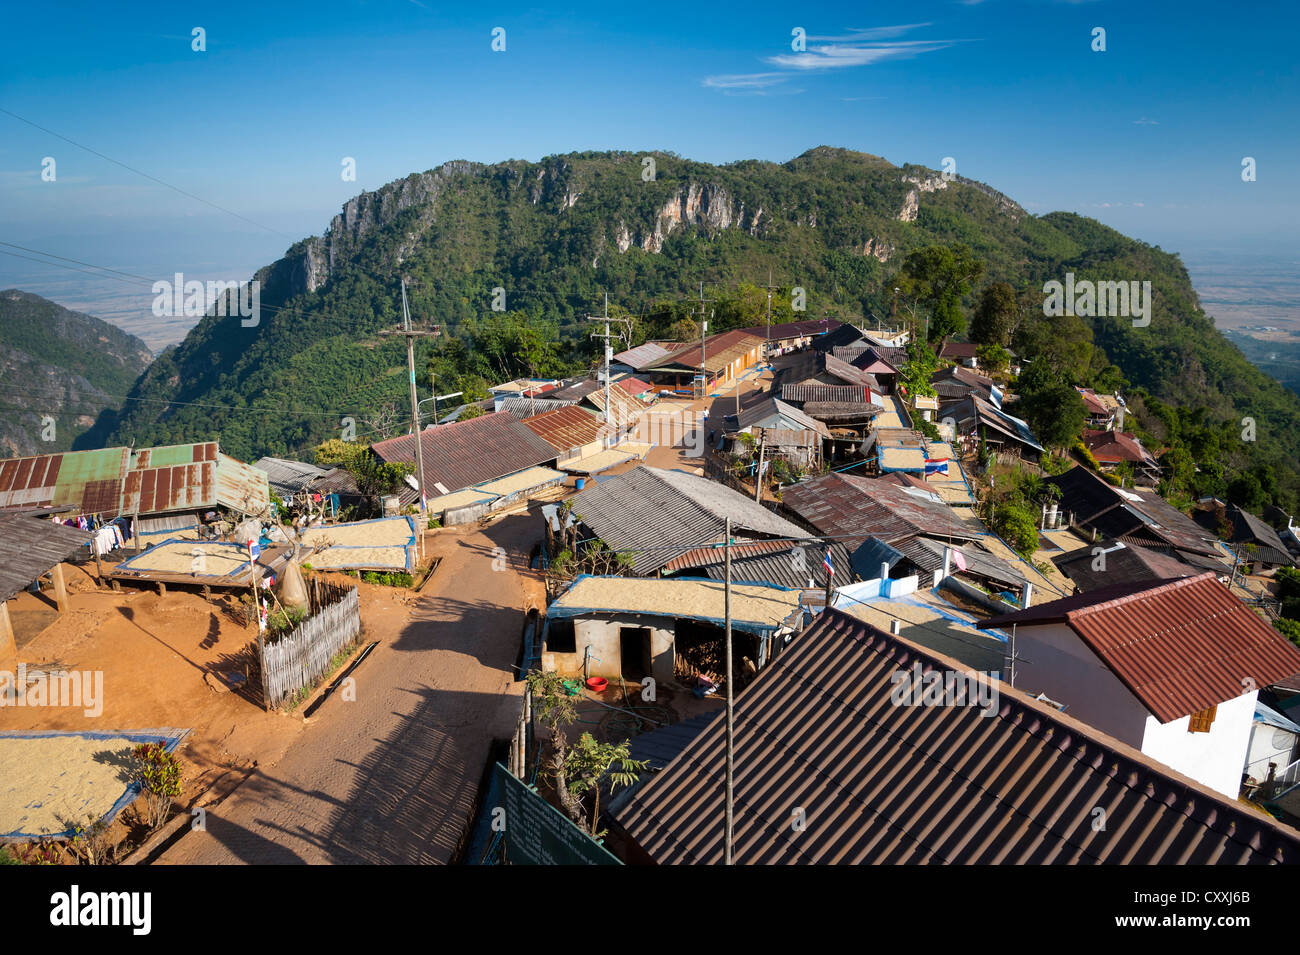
(146, 175)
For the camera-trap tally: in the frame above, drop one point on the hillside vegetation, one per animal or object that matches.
(558, 234)
(60, 371)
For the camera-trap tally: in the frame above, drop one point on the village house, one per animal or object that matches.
(475, 466)
(868, 774)
(669, 630)
(1172, 668)
(786, 337)
(1113, 448)
(657, 515)
(1140, 517)
(701, 367)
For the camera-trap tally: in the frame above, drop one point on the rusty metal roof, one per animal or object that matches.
(1180, 646)
(30, 546)
(1142, 514)
(719, 352)
(182, 477)
(1122, 562)
(88, 480)
(116, 481)
(878, 783)
(565, 429)
(856, 508)
(469, 452)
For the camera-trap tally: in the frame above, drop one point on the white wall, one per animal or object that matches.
(602, 635)
(1053, 660)
(1215, 758)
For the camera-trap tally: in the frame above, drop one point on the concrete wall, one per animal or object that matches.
(1216, 758)
(601, 633)
(1053, 660)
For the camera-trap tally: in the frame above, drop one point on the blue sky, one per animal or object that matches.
(1147, 136)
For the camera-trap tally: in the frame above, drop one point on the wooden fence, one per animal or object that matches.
(302, 657)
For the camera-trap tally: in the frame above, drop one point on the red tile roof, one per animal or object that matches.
(880, 783)
(634, 386)
(1180, 646)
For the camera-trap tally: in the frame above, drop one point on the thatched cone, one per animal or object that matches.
(293, 589)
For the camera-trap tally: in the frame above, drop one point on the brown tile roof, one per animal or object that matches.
(958, 350)
(1111, 447)
(1180, 646)
(815, 392)
(879, 783)
(856, 508)
(567, 428)
(470, 452)
(719, 352)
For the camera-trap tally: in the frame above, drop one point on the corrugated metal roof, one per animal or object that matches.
(1180, 646)
(30, 546)
(88, 480)
(857, 508)
(642, 356)
(286, 476)
(789, 569)
(844, 394)
(1119, 562)
(880, 783)
(470, 452)
(661, 514)
(1097, 504)
(625, 408)
(844, 335)
(565, 429)
(524, 407)
(719, 352)
(768, 413)
(928, 554)
(184, 477)
(1268, 545)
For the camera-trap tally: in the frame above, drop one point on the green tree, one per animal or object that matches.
(938, 277)
(996, 315)
(589, 763)
(1052, 407)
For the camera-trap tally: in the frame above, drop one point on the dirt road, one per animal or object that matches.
(392, 776)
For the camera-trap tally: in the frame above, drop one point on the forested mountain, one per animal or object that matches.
(557, 234)
(60, 370)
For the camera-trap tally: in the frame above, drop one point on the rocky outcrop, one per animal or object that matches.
(706, 207)
(879, 248)
(911, 207)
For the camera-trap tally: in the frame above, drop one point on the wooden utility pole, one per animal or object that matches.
(758, 475)
(770, 289)
(731, 704)
(411, 335)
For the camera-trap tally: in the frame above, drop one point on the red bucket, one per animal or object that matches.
(597, 683)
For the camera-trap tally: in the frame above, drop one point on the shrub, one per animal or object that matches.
(159, 774)
(396, 579)
(1018, 526)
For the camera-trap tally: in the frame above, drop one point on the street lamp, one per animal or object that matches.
(435, 399)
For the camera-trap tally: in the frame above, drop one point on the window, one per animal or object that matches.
(1202, 721)
(560, 637)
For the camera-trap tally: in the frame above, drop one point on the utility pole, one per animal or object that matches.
(770, 288)
(411, 334)
(731, 705)
(758, 475)
(605, 338)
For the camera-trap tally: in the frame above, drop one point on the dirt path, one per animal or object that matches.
(391, 777)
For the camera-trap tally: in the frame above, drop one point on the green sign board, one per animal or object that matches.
(539, 834)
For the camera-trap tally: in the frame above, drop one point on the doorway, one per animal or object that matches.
(634, 652)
